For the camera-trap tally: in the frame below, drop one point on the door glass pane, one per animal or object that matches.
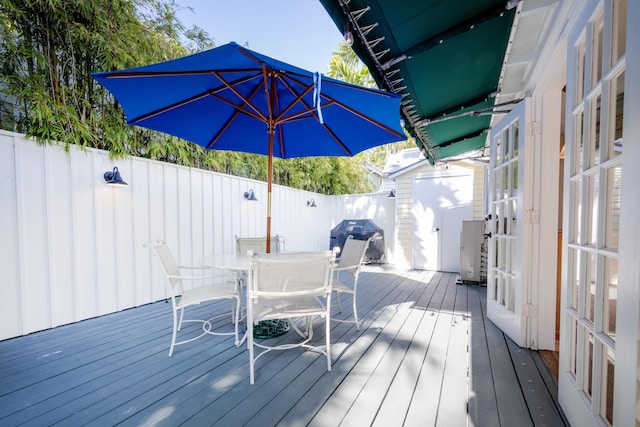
(608, 370)
(514, 178)
(596, 73)
(574, 277)
(514, 217)
(574, 346)
(506, 218)
(594, 152)
(512, 296)
(509, 243)
(587, 369)
(591, 287)
(617, 116)
(612, 220)
(506, 144)
(516, 138)
(592, 209)
(576, 211)
(610, 296)
(581, 62)
(505, 181)
(579, 143)
(619, 30)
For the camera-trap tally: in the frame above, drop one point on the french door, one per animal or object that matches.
(595, 91)
(506, 291)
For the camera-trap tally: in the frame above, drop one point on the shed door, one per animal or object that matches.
(441, 203)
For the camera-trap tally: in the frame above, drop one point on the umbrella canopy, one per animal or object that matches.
(232, 98)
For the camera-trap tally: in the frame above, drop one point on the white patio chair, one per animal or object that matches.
(258, 245)
(289, 286)
(349, 264)
(218, 286)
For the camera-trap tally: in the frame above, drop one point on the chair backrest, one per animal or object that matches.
(352, 255)
(259, 244)
(168, 265)
(290, 274)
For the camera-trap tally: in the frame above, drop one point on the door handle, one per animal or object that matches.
(436, 229)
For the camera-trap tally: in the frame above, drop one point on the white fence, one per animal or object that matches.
(74, 248)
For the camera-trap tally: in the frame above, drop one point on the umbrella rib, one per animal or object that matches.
(346, 107)
(363, 117)
(211, 92)
(131, 74)
(168, 108)
(238, 110)
(294, 102)
(239, 95)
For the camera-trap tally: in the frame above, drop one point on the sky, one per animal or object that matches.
(299, 32)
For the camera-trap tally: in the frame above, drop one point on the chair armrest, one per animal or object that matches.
(345, 268)
(194, 267)
(209, 276)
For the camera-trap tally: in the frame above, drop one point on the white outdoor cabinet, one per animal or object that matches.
(471, 253)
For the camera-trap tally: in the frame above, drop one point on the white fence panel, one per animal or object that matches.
(11, 313)
(74, 248)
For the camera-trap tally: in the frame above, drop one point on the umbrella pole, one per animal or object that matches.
(269, 187)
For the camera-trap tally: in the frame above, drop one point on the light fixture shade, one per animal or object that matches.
(113, 178)
(348, 35)
(392, 194)
(311, 203)
(248, 195)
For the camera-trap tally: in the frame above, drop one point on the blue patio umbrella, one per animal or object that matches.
(232, 98)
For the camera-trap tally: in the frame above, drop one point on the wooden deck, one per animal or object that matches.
(425, 356)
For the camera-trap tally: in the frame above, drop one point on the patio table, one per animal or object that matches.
(238, 262)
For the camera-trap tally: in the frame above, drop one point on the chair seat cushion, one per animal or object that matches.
(268, 309)
(205, 293)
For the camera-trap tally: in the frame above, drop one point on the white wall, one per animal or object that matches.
(74, 248)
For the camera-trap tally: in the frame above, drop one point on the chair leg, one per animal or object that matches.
(355, 312)
(250, 345)
(338, 301)
(237, 319)
(181, 310)
(327, 332)
(175, 332)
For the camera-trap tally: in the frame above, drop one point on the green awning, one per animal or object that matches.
(445, 57)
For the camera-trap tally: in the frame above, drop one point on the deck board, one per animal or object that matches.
(425, 355)
(483, 406)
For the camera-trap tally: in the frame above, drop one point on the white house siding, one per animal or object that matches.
(74, 248)
(479, 208)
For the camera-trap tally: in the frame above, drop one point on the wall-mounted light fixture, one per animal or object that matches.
(348, 35)
(311, 203)
(248, 195)
(392, 194)
(113, 178)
